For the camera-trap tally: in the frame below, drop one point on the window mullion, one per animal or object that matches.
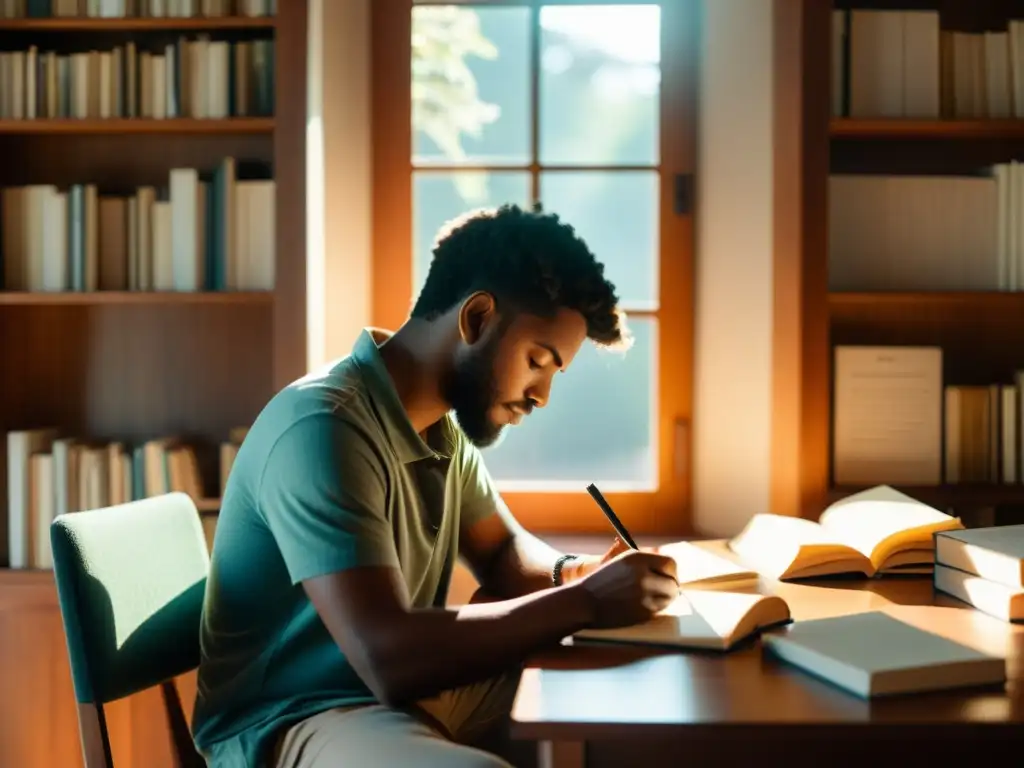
(534, 103)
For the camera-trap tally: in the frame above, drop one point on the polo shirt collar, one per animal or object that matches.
(407, 443)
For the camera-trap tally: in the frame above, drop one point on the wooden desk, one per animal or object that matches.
(736, 708)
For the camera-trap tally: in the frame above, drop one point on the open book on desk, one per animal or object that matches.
(876, 531)
(700, 619)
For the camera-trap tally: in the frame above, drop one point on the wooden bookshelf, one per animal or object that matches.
(1001, 300)
(28, 298)
(979, 331)
(132, 365)
(171, 126)
(84, 24)
(983, 130)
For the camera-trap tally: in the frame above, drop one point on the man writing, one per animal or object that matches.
(325, 638)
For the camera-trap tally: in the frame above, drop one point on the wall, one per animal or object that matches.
(734, 251)
(732, 409)
(339, 178)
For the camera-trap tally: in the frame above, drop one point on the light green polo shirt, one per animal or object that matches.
(331, 476)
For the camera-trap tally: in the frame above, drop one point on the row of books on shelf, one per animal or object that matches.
(927, 233)
(983, 425)
(195, 78)
(119, 9)
(902, 64)
(213, 233)
(896, 421)
(50, 474)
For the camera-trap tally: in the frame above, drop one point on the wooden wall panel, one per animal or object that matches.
(134, 372)
(38, 726)
(979, 334)
(289, 343)
(100, 159)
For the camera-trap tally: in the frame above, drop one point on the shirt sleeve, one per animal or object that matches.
(480, 496)
(323, 493)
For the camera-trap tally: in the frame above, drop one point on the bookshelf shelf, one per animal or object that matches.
(858, 128)
(135, 297)
(85, 24)
(180, 126)
(208, 505)
(951, 299)
(952, 495)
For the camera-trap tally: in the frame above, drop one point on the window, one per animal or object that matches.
(585, 107)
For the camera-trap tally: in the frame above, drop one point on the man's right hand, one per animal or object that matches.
(630, 588)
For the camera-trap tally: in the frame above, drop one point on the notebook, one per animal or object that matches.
(700, 619)
(698, 567)
(880, 530)
(873, 654)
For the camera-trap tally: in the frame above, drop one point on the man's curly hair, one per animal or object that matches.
(530, 261)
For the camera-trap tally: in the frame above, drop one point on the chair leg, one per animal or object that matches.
(92, 725)
(181, 737)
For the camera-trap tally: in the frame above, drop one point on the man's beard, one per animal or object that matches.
(472, 392)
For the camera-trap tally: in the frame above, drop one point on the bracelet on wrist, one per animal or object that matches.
(556, 572)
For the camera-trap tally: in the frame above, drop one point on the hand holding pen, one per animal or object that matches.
(634, 585)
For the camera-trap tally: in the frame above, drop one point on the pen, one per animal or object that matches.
(620, 529)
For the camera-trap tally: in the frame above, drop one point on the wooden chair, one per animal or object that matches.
(130, 582)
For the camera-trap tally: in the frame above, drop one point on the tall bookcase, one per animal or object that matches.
(979, 331)
(133, 365)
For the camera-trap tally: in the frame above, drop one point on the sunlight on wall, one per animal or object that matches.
(733, 376)
(314, 190)
(338, 178)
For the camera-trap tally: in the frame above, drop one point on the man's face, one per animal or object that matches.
(508, 371)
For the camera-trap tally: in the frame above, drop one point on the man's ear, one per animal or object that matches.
(477, 313)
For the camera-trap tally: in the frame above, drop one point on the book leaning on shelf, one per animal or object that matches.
(201, 232)
(50, 474)
(874, 532)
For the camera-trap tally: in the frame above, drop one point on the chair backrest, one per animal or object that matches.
(130, 582)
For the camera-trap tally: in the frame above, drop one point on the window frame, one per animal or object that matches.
(667, 509)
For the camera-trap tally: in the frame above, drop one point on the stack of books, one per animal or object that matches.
(983, 567)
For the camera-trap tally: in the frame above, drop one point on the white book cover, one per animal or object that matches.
(874, 654)
(21, 445)
(1016, 33)
(55, 242)
(876, 63)
(888, 415)
(921, 64)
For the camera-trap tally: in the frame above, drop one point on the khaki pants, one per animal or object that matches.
(457, 729)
